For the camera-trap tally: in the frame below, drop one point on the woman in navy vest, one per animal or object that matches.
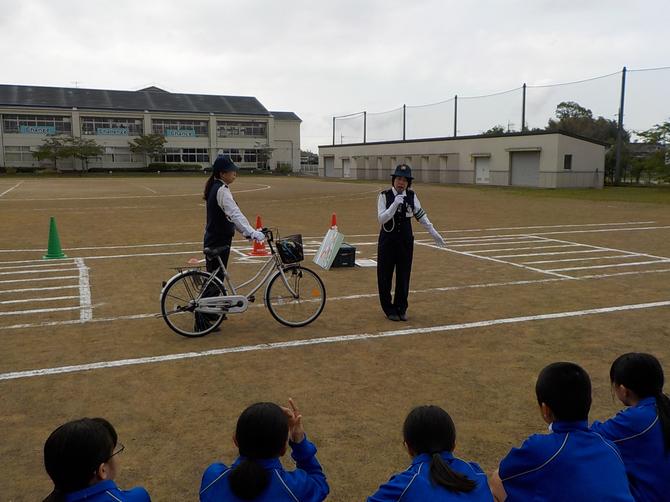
(395, 248)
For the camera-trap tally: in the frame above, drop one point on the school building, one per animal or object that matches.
(197, 127)
(532, 159)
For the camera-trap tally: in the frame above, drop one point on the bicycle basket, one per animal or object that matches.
(290, 249)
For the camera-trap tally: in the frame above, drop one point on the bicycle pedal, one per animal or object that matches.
(252, 298)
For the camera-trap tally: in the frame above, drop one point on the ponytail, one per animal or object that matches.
(445, 476)
(643, 375)
(208, 185)
(248, 480)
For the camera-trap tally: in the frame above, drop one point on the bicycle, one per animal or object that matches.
(194, 302)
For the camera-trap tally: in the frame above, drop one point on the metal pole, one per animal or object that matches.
(455, 114)
(404, 119)
(523, 109)
(333, 130)
(365, 126)
(619, 133)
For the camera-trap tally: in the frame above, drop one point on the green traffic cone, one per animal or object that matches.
(54, 250)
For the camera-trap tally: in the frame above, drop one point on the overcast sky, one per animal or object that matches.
(320, 59)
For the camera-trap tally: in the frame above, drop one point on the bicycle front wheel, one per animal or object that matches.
(299, 300)
(179, 303)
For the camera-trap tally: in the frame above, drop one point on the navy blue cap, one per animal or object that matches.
(222, 164)
(403, 170)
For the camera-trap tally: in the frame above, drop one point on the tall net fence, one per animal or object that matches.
(646, 103)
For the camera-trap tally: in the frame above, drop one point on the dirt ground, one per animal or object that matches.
(482, 323)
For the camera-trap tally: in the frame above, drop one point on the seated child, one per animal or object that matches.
(81, 457)
(641, 431)
(435, 474)
(261, 436)
(571, 462)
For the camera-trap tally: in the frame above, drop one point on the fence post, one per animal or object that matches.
(333, 130)
(455, 113)
(365, 126)
(523, 109)
(404, 119)
(619, 133)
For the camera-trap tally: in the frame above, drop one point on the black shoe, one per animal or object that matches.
(392, 317)
(402, 317)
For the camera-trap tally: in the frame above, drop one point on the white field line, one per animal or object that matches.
(324, 340)
(39, 311)
(552, 253)
(26, 290)
(631, 255)
(39, 271)
(614, 250)
(488, 258)
(19, 267)
(611, 265)
(361, 296)
(38, 279)
(43, 299)
(465, 240)
(496, 243)
(529, 247)
(7, 191)
(96, 208)
(86, 312)
(149, 189)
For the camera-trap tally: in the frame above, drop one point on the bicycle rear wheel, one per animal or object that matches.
(302, 303)
(179, 303)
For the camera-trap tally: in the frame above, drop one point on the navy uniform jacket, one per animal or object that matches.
(306, 484)
(569, 464)
(107, 491)
(637, 432)
(415, 484)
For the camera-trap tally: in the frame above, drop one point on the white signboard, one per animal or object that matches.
(328, 250)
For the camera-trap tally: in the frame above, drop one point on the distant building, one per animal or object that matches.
(197, 127)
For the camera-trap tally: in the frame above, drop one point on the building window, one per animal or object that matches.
(37, 124)
(107, 126)
(180, 128)
(18, 154)
(567, 161)
(184, 155)
(230, 128)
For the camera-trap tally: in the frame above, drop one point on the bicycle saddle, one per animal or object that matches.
(213, 252)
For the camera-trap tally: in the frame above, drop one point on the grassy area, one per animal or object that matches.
(651, 195)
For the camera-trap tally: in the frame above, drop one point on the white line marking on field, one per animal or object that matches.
(19, 267)
(41, 279)
(39, 311)
(631, 255)
(552, 253)
(150, 189)
(323, 340)
(614, 250)
(86, 312)
(611, 265)
(38, 271)
(25, 290)
(528, 247)
(7, 191)
(44, 299)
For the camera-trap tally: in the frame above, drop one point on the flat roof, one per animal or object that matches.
(151, 99)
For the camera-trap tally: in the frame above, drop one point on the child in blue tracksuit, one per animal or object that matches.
(435, 474)
(81, 459)
(261, 436)
(641, 431)
(571, 462)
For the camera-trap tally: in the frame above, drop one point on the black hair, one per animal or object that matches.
(261, 433)
(210, 181)
(643, 375)
(409, 181)
(74, 451)
(429, 429)
(566, 389)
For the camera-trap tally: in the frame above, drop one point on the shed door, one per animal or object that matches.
(329, 166)
(525, 169)
(482, 169)
(346, 168)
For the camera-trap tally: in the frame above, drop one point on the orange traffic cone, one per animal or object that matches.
(333, 221)
(259, 248)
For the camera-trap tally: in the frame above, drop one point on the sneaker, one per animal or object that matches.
(402, 317)
(393, 317)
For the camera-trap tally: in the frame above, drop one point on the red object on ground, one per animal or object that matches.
(259, 248)
(333, 221)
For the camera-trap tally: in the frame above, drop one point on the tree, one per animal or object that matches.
(149, 145)
(263, 156)
(657, 164)
(84, 149)
(53, 148)
(496, 130)
(574, 118)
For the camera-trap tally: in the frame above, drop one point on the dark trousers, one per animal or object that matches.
(394, 254)
(213, 263)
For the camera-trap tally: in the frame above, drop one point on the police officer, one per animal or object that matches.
(395, 208)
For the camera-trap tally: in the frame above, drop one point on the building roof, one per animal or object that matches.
(285, 116)
(152, 99)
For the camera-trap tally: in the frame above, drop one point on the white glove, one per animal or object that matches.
(399, 199)
(257, 236)
(437, 238)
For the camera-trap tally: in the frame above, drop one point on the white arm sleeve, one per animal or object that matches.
(421, 215)
(226, 202)
(384, 214)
